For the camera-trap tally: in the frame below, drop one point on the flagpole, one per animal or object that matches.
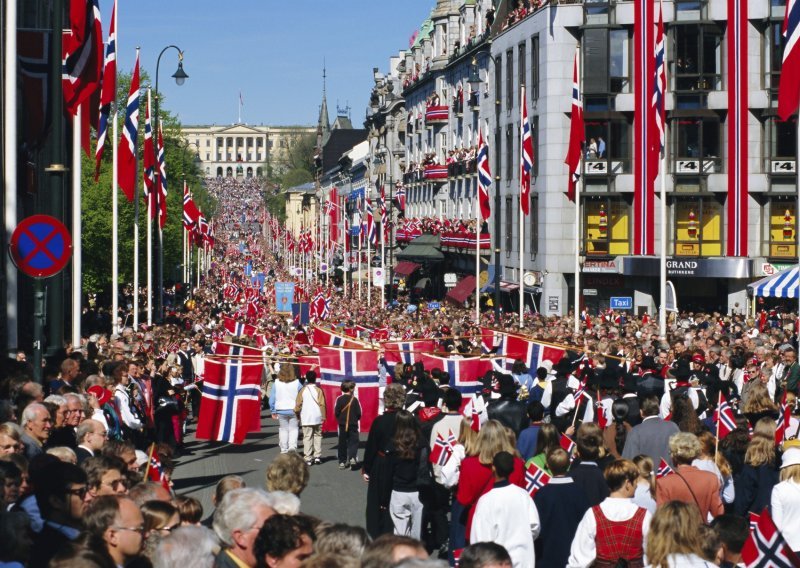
(521, 224)
(77, 261)
(149, 239)
(360, 238)
(477, 250)
(369, 250)
(662, 316)
(114, 225)
(10, 185)
(577, 290)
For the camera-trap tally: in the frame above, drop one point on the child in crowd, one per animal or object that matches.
(348, 413)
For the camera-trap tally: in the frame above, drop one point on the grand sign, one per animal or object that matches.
(695, 267)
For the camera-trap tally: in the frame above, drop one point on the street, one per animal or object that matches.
(332, 494)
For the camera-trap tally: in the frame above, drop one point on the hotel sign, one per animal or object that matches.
(694, 268)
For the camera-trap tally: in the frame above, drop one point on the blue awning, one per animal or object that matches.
(784, 284)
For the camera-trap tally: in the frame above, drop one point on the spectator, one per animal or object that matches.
(341, 540)
(190, 510)
(719, 466)
(15, 539)
(237, 522)
(389, 549)
(104, 476)
(36, 425)
(485, 555)
(785, 500)
(645, 495)
(282, 400)
(526, 442)
(347, 411)
(148, 491)
(506, 515)
(227, 483)
(675, 537)
(310, 407)
(63, 453)
(615, 530)
(651, 437)
(90, 435)
(561, 506)
(287, 472)
(732, 531)
(160, 519)
(547, 440)
(758, 477)
(116, 525)
(10, 439)
(284, 541)
(187, 546)
(585, 471)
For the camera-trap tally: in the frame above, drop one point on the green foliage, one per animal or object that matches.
(96, 204)
(296, 177)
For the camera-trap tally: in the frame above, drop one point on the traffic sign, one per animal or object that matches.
(40, 246)
(434, 306)
(621, 303)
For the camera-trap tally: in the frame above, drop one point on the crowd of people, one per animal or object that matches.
(634, 465)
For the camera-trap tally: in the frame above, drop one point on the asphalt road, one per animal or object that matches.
(332, 494)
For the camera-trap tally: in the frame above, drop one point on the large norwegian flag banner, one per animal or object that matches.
(321, 337)
(230, 407)
(337, 365)
(465, 373)
(237, 328)
(406, 352)
(529, 352)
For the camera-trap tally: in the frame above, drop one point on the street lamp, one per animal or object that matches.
(180, 77)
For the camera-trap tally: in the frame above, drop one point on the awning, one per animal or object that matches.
(509, 287)
(784, 284)
(463, 290)
(424, 248)
(405, 268)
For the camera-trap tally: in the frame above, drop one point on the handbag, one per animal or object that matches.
(167, 403)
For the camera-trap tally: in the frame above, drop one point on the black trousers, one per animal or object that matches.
(348, 443)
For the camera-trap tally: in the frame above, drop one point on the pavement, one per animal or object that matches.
(332, 494)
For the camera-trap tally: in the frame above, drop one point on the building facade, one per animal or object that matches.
(243, 150)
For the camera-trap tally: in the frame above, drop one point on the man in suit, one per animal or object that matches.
(689, 484)
(237, 522)
(791, 370)
(91, 436)
(651, 437)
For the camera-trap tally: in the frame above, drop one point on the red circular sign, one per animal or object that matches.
(40, 246)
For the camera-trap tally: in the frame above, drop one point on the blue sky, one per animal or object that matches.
(270, 50)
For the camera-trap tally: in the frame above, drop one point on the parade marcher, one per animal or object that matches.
(310, 407)
(651, 437)
(347, 411)
(282, 403)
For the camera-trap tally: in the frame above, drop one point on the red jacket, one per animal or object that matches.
(476, 479)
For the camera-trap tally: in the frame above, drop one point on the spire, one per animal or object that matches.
(323, 125)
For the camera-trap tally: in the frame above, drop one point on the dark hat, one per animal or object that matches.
(681, 372)
(648, 363)
(563, 367)
(609, 378)
(629, 382)
(507, 385)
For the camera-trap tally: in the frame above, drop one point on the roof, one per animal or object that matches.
(309, 187)
(340, 142)
(423, 248)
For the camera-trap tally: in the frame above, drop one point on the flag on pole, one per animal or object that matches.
(161, 196)
(535, 479)
(82, 49)
(783, 421)
(726, 421)
(577, 133)
(130, 132)
(384, 216)
(567, 443)
(400, 197)
(789, 87)
(767, 547)
(659, 90)
(108, 90)
(441, 451)
(663, 469)
(191, 214)
(484, 176)
(526, 161)
(149, 162)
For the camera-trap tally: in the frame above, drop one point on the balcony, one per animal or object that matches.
(435, 172)
(438, 114)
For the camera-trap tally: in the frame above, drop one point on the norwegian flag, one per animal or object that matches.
(155, 471)
(767, 547)
(130, 133)
(531, 353)
(526, 159)
(474, 413)
(149, 162)
(567, 443)
(337, 365)
(579, 392)
(484, 176)
(659, 89)
(161, 195)
(753, 518)
(231, 292)
(238, 329)
(783, 421)
(384, 216)
(442, 450)
(577, 132)
(82, 49)
(465, 372)
(400, 198)
(230, 406)
(726, 421)
(535, 479)
(191, 214)
(108, 90)
(326, 308)
(321, 337)
(663, 469)
(369, 228)
(789, 88)
(406, 352)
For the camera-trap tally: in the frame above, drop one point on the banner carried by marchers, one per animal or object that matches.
(284, 297)
(337, 365)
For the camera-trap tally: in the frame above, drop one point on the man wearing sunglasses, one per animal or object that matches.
(62, 493)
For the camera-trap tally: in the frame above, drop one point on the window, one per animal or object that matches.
(498, 81)
(521, 64)
(509, 152)
(535, 141)
(619, 61)
(509, 225)
(208, 142)
(698, 146)
(698, 226)
(773, 53)
(534, 242)
(781, 140)
(509, 80)
(689, 9)
(698, 58)
(534, 88)
(606, 226)
(783, 226)
(612, 139)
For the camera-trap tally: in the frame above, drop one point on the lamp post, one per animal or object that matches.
(180, 77)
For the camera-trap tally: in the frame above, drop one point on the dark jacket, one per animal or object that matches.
(589, 477)
(340, 411)
(509, 412)
(753, 489)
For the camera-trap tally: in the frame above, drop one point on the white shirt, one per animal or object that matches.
(124, 402)
(584, 549)
(506, 515)
(726, 491)
(311, 411)
(666, 402)
(785, 503)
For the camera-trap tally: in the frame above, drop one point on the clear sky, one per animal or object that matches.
(271, 51)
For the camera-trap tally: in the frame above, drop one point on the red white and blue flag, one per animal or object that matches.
(484, 176)
(130, 133)
(783, 421)
(406, 352)
(567, 443)
(535, 479)
(369, 229)
(108, 91)
(337, 365)
(529, 352)
(82, 51)
(663, 469)
(659, 90)
(526, 158)
(384, 216)
(577, 133)
(465, 372)
(789, 88)
(645, 160)
(767, 547)
(149, 162)
(738, 119)
(191, 215)
(230, 407)
(161, 195)
(442, 450)
(321, 337)
(237, 328)
(155, 471)
(726, 421)
(400, 197)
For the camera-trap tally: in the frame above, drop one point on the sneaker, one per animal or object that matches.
(353, 462)
(309, 462)
(342, 465)
(317, 461)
